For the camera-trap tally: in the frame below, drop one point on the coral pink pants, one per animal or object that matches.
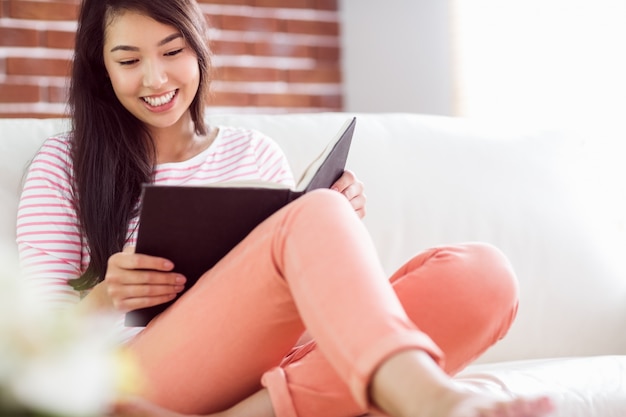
(313, 266)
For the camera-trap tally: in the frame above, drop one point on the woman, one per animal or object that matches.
(299, 319)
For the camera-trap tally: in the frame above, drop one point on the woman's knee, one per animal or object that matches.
(323, 197)
(477, 304)
(463, 296)
(467, 271)
(494, 270)
(493, 288)
(321, 205)
(318, 216)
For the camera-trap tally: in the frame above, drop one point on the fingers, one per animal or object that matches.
(131, 297)
(353, 189)
(130, 260)
(136, 281)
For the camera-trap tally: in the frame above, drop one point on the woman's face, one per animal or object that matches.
(153, 71)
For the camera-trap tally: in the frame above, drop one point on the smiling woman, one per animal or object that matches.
(243, 340)
(136, 47)
(154, 72)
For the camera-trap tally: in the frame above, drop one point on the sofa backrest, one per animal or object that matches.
(19, 141)
(553, 201)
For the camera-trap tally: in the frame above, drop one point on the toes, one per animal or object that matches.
(539, 407)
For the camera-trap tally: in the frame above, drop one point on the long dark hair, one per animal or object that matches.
(112, 151)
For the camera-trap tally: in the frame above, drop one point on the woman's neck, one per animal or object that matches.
(180, 142)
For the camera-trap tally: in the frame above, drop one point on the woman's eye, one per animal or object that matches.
(129, 62)
(172, 53)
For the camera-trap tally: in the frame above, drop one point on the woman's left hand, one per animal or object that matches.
(350, 186)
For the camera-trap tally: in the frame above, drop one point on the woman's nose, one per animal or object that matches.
(154, 75)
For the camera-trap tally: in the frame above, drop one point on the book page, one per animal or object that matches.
(313, 167)
(305, 178)
(248, 184)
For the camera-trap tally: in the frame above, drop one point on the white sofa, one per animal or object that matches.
(553, 200)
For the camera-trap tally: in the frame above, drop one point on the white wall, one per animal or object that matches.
(548, 61)
(552, 61)
(396, 56)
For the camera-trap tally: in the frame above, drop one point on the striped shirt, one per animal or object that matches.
(51, 244)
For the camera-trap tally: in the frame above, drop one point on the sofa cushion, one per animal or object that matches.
(578, 386)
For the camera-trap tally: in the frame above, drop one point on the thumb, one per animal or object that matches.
(129, 249)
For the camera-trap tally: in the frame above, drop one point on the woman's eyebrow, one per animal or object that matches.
(170, 38)
(164, 41)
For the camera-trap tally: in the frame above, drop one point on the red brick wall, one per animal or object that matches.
(270, 55)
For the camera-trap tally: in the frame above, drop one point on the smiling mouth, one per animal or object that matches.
(161, 100)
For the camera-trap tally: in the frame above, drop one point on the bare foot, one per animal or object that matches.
(410, 384)
(457, 403)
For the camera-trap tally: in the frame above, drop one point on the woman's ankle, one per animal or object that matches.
(410, 384)
(406, 384)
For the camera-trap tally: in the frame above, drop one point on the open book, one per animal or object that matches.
(195, 226)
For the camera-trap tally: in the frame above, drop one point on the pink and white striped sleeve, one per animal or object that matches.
(48, 235)
(271, 160)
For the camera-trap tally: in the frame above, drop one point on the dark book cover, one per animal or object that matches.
(195, 226)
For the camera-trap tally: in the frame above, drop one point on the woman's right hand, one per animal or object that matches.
(136, 281)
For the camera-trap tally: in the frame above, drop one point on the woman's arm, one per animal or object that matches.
(48, 237)
(53, 250)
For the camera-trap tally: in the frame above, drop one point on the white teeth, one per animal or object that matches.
(159, 101)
